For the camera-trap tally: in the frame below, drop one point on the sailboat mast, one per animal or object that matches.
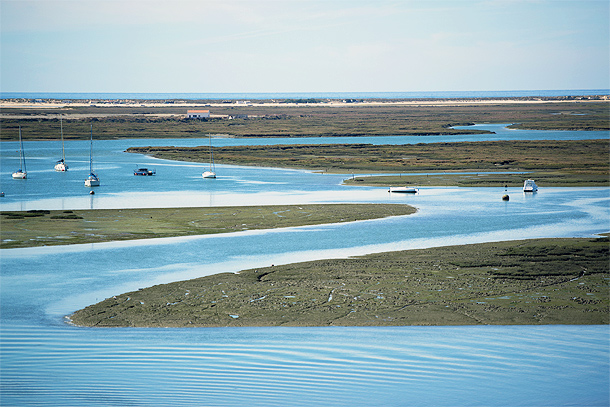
(211, 155)
(63, 151)
(21, 155)
(91, 152)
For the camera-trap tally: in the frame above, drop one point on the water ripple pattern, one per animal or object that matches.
(414, 366)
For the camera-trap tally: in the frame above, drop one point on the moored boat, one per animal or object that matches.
(21, 173)
(210, 173)
(61, 164)
(144, 172)
(404, 190)
(530, 186)
(92, 180)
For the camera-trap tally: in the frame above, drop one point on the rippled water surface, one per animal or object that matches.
(45, 361)
(414, 366)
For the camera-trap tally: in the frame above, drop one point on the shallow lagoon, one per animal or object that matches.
(47, 362)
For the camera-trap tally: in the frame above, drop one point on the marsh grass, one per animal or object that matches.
(583, 162)
(300, 121)
(43, 228)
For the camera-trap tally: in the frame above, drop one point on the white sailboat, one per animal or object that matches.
(211, 173)
(21, 173)
(61, 164)
(92, 180)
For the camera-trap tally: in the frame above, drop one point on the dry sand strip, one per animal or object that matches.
(55, 103)
(542, 281)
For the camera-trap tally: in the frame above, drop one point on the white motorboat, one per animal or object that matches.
(92, 180)
(404, 190)
(61, 164)
(21, 173)
(211, 172)
(530, 186)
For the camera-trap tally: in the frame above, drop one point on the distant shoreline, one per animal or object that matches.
(153, 119)
(320, 102)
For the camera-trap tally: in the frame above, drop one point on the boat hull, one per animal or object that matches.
(404, 190)
(530, 186)
(209, 174)
(144, 172)
(20, 175)
(92, 181)
(61, 167)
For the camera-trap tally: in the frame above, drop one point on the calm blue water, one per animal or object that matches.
(44, 361)
(307, 95)
(180, 184)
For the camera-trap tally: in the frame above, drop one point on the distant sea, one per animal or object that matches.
(305, 95)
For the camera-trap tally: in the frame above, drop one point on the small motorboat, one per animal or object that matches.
(404, 190)
(530, 186)
(144, 171)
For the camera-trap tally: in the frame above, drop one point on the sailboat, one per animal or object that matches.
(92, 180)
(61, 164)
(210, 173)
(21, 173)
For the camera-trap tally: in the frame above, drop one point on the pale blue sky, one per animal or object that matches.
(303, 46)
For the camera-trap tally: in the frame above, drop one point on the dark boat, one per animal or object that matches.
(144, 171)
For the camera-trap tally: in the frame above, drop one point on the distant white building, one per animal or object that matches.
(197, 114)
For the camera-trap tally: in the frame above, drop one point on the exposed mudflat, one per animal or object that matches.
(544, 281)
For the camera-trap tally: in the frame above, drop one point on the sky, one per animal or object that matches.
(222, 46)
